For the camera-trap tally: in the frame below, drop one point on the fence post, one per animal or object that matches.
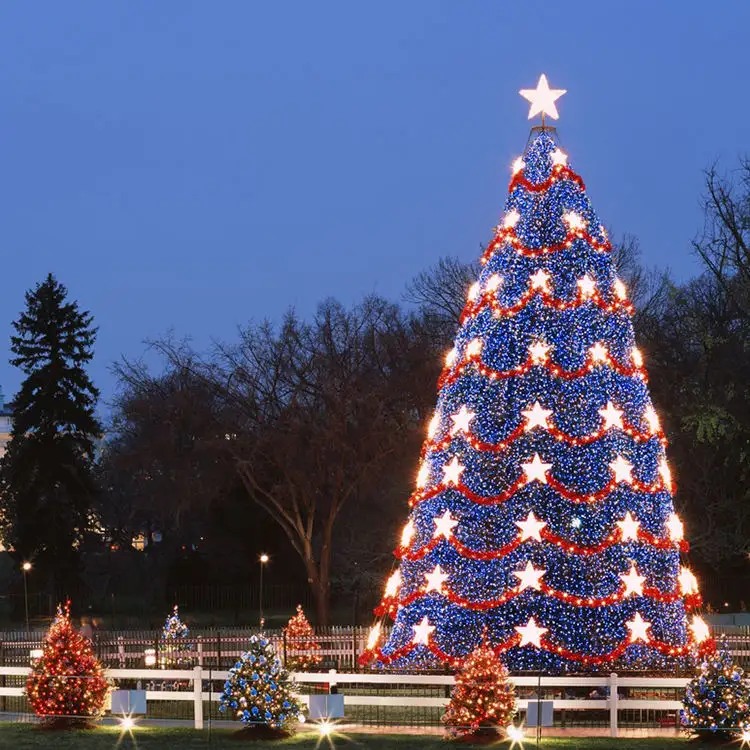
(613, 698)
(200, 650)
(198, 696)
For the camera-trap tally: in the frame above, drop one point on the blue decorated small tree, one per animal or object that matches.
(173, 646)
(259, 691)
(717, 700)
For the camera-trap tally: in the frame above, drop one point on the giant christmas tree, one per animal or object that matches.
(543, 505)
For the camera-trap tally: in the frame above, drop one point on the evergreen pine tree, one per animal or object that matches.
(302, 650)
(483, 699)
(67, 682)
(259, 691)
(46, 482)
(717, 700)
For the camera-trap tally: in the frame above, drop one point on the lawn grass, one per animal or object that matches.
(31, 737)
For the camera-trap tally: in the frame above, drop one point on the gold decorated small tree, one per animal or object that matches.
(483, 701)
(302, 650)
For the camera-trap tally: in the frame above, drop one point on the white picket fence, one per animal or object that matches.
(612, 685)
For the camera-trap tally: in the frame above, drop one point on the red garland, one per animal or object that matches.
(547, 299)
(502, 497)
(665, 648)
(405, 553)
(486, 447)
(390, 605)
(448, 376)
(509, 235)
(559, 172)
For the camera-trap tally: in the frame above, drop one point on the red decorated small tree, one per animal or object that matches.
(302, 650)
(483, 700)
(66, 684)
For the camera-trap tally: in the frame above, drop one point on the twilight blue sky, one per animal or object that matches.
(194, 165)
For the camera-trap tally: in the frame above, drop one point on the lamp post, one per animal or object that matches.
(26, 567)
(263, 560)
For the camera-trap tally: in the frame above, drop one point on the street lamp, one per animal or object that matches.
(26, 567)
(263, 560)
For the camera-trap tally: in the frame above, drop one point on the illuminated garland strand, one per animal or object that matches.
(390, 605)
(448, 377)
(559, 173)
(406, 553)
(514, 640)
(487, 447)
(508, 235)
(548, 300)
(422, 495)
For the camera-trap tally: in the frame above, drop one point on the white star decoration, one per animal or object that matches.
(530, 633)
(587, 285)
(539, 280)
(444, 525)
(598, 352)
(633, 582)
(688, 582)
(435, 580)
(529, 577)
(511, 219)
(518, 165)
(407, 534)
(452, 472)
(699, 628)
(423, 475)
(575, 222)
(611, 415)
(432, 427)
(373, 637)
(423, 631)
(392, 585)
(531, 528)
(536, 470)
(538, 352)
(493, 282)
(474, 348)
(666, 474)
(461, 420)
(621, 291)
(675, 527)
(629, 527)
(650, 415)
(638, 628)
(559, 158)
(623, 470)
(536, 416)
(542, 99)
(473, 291)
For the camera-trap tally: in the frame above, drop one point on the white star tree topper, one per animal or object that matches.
(542, 99)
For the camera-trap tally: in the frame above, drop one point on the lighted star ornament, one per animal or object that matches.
(542, 99)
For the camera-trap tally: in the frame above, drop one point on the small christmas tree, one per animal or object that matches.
(717, 701)
(259, 691)
(302, 650)
(483, 699)
(67, 683)
(173, 646)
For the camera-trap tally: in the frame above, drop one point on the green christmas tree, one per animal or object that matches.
(259, 691)
(717, 700)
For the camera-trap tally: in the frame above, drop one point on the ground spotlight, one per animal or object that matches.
(515, 735)
(127, 723)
